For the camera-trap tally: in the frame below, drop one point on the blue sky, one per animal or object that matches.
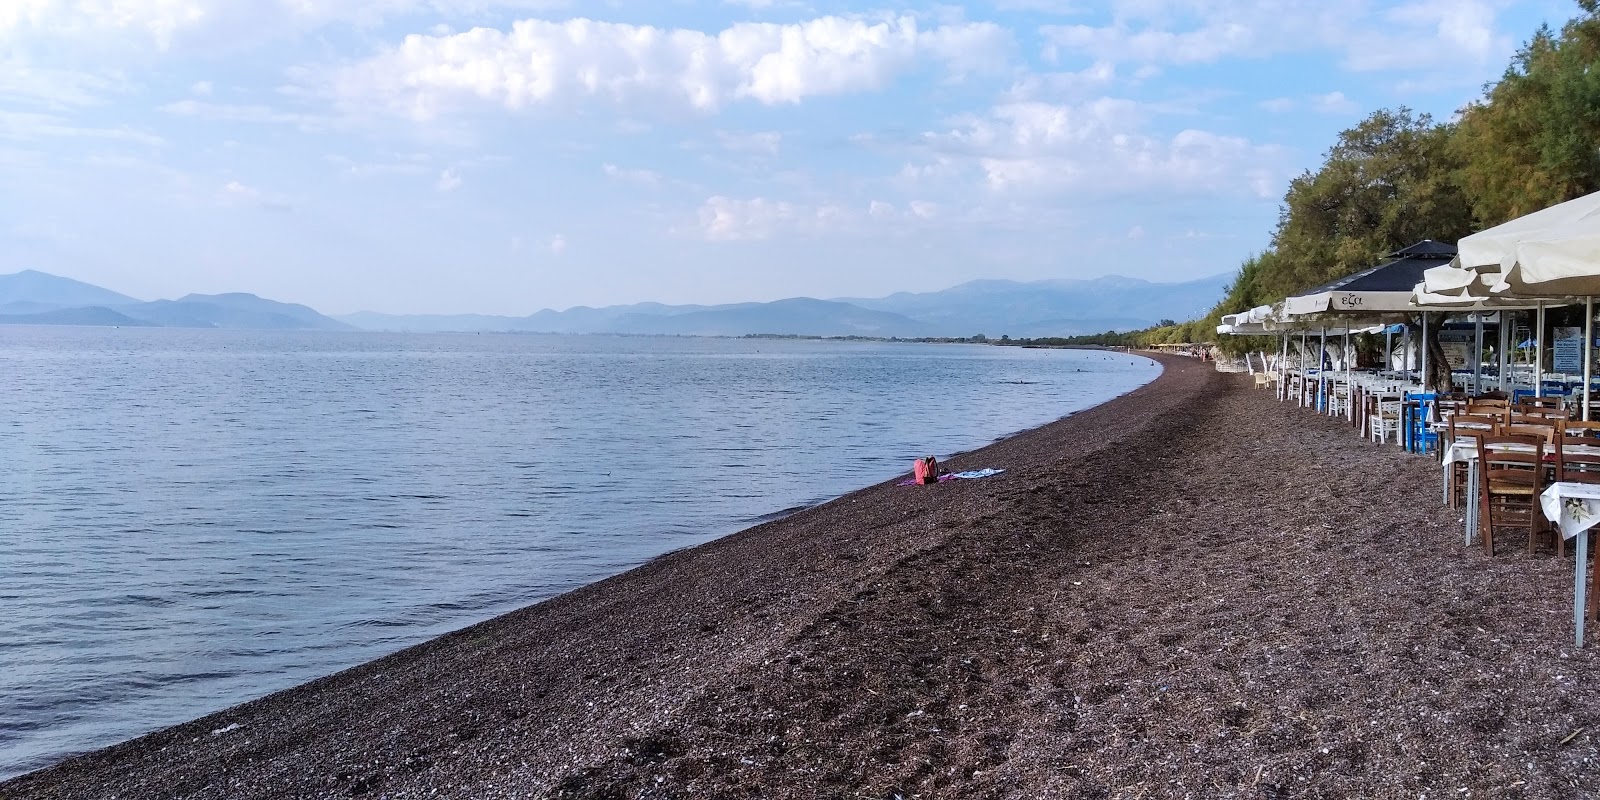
(502, 156)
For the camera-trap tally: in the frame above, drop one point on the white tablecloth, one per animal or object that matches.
(1574, 508)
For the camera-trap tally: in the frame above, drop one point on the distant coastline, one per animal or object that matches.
(981, 310)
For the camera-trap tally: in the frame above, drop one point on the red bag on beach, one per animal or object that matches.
(926, 470)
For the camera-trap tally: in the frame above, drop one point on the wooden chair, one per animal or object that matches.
(1536, 412)
(1542, 402)
(1510, 477)
(1589, 430)
(1546, 430)
(1467, 428)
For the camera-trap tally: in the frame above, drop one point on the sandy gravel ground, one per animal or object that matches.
(1192, 591)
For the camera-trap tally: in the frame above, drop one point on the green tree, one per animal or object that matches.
(1534, 139)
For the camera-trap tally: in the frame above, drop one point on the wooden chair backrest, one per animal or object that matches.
(1589, 430)
(1492, 460)
(1541, 402)
(1465, 426)
(1490, 402)
(1536, 412)
(1547, 433)
(1577, 467)
(1500, 413)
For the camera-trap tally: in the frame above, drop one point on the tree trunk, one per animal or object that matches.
(1438, 378)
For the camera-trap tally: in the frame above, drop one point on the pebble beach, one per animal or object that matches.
(1189, 591)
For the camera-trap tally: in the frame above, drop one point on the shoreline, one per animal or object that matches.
(1188, 590)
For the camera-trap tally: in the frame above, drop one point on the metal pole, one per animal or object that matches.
(1505, 354)
(1477, 354)
(1388, 348)
(1301, 400)
(1538, 352)
(1349, 396)
(1588, 345)
(1322, 374)
(1283, 369)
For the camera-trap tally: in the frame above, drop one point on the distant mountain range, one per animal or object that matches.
(990, 307)
(39, 298)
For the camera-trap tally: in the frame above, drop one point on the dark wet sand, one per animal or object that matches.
(1191, 591)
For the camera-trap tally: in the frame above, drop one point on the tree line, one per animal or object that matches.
(1532, 140)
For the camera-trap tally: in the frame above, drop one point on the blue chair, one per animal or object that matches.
(1414, 422)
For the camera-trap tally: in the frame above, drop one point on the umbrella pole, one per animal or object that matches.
(1301, 400)
(1388, 348)
(1588, 345)
(1349, 396)
(1538, 351)
(1505, 356)
(1322, 374)
(1477, 354)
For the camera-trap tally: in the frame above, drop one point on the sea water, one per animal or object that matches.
(191, 519)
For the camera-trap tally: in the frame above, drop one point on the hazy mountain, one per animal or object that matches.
(991, 307)
(579, 319)
(43, 291)
(37, 298)
(233, 310)
(801, 316)
(1052, 308)
(84, 315)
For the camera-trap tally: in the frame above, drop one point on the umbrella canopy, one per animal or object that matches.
(1493, 247)
(1387, 287)
(1565, 263)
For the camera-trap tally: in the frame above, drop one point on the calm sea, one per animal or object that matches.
(190, 519)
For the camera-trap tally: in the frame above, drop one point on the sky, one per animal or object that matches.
(502, 156)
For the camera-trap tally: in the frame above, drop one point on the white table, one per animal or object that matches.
(1575, 508)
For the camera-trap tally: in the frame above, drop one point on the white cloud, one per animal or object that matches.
(1278, 105)
(54, 88)
(1101, 145)
(1334, 103)
(1118, 43)
(644, 176)
(558, 244)
(1419, 36)
(1136, 232)
(31, 126)
(228, 112)
(538, 62)
(202, 88)
(764, 142)
(449, 181)
(166, 24)
(725, 219)
(236, 193)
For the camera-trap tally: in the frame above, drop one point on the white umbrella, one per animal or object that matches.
(1494, 246)
(1547, 253)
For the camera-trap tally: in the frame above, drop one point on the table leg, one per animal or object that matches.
(1472, 500)
(1579, 606)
